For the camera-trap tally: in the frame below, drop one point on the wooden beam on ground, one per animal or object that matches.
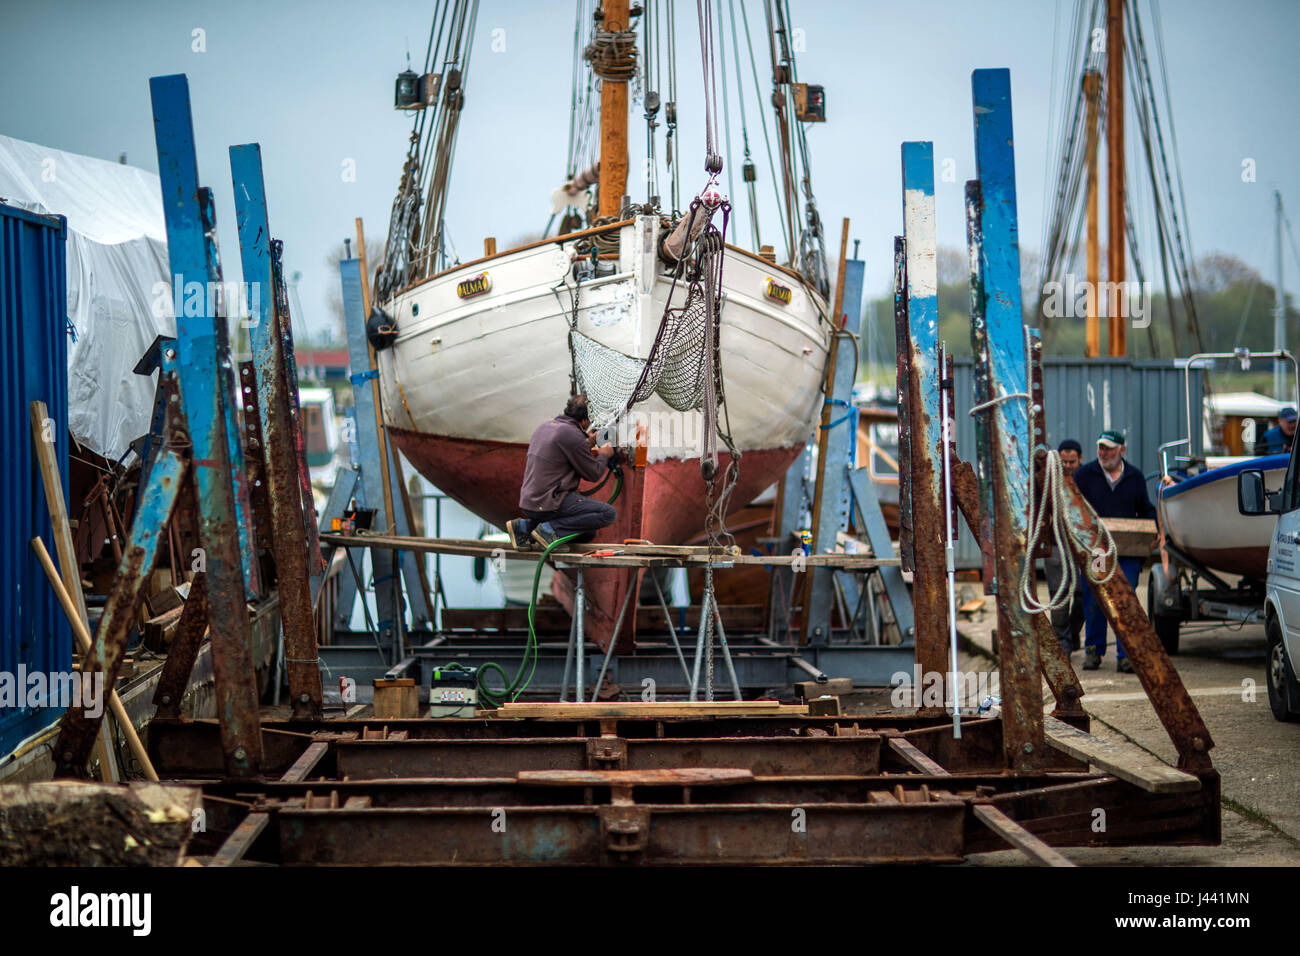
(239, 842)
(1124, 760)
(1018, 836)
(630, 555)
(908, 751)
(681, 708)
(305, 764)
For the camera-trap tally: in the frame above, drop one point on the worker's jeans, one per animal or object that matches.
(1067, 621)
(1094, 635)
(575, 514)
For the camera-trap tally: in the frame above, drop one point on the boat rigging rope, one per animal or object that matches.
(1047, 513)
(712, 158)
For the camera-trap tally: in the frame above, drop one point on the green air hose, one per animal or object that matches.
(513, 688)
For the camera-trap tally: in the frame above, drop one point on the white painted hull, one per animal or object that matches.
(492, 368)
(1202, 519)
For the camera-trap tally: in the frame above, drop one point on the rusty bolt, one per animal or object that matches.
(1198, 744)
(304, 698)
(240, 753)
(167, 698)
(67, 756)
(1028, 748)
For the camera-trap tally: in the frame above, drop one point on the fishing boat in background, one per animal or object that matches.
(473, 356)
(1205, 535)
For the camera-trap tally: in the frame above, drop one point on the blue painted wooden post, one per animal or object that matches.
(205, 372)
(840, 439)
(929, 582)
(388, 592)
(281, 448)
(1000, 346)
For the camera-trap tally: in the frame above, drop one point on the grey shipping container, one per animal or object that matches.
(1143, 399)
(34, 634)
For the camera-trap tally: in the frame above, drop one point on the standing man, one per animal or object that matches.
(1067, 621)
(1278, 439)
(1115, 489)
(561, 452)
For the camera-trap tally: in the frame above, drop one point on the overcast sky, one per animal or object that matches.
(313, 83)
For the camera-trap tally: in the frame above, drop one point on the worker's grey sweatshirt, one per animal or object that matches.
(558, 456)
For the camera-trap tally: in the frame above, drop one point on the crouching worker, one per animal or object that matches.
(562, 452)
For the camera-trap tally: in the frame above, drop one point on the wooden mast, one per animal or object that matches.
(613, 124)
(1116, 238)
(1091, 89)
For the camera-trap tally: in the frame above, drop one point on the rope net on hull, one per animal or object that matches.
(675, 369)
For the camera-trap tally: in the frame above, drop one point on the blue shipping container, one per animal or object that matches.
(34, 634)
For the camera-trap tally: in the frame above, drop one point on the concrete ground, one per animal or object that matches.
(1257, 757)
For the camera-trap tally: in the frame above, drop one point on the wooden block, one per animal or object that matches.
(1134, 537)
(396, 699)
(824, 707)
(1124, 760)
(835, 687)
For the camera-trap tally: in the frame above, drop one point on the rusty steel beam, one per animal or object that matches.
(998, 343)
(1053, 661)
(920, 364)
(903, 349)
(79, 729)
(280, 447)
(203, 365)
(656, 834)
(1107, 811)
(1157, 674)
(802, 790)
(184, 650)
(505, 757)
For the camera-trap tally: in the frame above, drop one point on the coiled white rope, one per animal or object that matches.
(1047, 513)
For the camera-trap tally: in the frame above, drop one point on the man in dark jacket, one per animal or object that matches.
(561, 452)
(1277, 440)
(1115, 489)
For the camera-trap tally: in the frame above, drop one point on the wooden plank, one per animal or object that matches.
(238, 843)
(633, 555)
(1134, 537)
(1018, 836)
(51, 479)
(305, 764)
(681, 776)
(909, 752)
(1124, 760)
(699, 708)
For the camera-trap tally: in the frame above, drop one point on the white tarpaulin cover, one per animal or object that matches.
(117, 254)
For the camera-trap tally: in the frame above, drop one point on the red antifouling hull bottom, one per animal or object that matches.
(663, 503)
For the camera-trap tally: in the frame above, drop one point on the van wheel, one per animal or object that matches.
(1281, 680)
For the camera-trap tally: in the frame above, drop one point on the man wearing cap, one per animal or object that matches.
(1277, 440)
(1067, 621)
(1115, 489)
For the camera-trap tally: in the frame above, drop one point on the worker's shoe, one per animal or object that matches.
(1091, 660)
(1124, 666)
(517, 528)
(545, 535)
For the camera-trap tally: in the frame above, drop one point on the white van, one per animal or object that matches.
(1282, 604)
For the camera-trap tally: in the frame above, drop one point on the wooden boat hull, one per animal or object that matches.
(469, 379)
(1201, 519)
